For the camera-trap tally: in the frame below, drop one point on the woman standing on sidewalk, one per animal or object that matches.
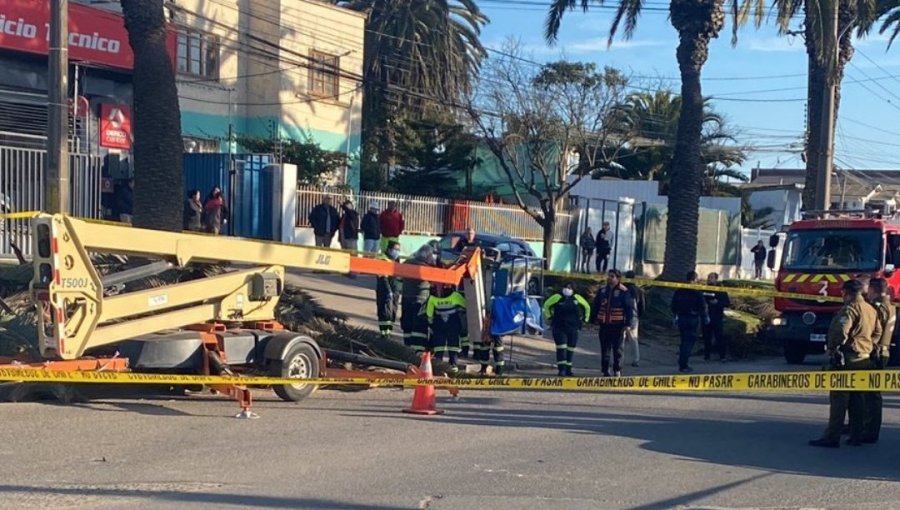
(566, 311)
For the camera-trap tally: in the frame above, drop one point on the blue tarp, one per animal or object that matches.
(510, 314)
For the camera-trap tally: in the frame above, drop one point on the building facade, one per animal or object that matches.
(273, 69)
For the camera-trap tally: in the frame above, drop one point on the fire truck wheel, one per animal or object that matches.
(300, 362)
(794, 353)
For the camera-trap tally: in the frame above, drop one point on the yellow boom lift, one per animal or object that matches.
(222, 324)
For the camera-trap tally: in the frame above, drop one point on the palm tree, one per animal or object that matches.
(697, 23)
(158, 148)
(420, 59)
(650, 120)
(818, 16)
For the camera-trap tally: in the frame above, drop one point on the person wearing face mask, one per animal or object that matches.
(566, 311)
(414, 296)
(387, 293)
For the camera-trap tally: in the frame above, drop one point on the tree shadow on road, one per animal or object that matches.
(222, 499)
(726, 439)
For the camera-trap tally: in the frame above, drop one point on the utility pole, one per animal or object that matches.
(826, 157)
(56, 171)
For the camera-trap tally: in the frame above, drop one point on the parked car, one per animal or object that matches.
(502, 252)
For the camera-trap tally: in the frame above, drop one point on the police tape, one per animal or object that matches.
(842, 380)
(732, 291)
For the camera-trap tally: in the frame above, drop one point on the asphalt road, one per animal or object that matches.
(490, 450)
(495, 450)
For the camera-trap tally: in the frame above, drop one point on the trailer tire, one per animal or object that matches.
(794, 353)
(300, 361)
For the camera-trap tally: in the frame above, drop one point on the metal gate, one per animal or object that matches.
(22, 189)
(249, 191)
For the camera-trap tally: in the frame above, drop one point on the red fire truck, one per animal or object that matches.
(819, 255)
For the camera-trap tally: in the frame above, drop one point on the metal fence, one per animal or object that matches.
(718, 242)
(22, 189)
(622, 217)
(436, 216)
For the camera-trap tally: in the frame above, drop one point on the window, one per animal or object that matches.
(323, 75)
(833, 250)
(200, 145)
(198, 54)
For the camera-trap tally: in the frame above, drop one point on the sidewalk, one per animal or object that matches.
(659, 349)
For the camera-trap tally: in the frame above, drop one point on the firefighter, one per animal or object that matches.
(613, 310)
(849, 344)
(412, 303)
(446, 313)
(566, 311)
(887, 316)
(387, 292)
(490, 344)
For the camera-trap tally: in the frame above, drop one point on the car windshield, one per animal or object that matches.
(833, 250)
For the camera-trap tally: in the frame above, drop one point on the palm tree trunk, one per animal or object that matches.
(818, 82)
(158, 147)
(697, 22)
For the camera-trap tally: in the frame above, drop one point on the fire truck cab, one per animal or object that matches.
(821, 253)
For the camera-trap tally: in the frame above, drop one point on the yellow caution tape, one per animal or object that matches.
(24, 215)
(732, 291)
(858, 380)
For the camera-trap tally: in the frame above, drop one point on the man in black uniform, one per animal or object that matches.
(387, 292)
(689, 309)
(716, 303)
(566, 311)
(849, 344)
(414, 296)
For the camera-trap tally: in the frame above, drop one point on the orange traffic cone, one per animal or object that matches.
(424, 401)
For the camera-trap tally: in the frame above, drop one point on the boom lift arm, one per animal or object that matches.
(76, 316)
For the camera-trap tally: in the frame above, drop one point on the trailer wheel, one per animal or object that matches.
(794, 353)
(300, 362)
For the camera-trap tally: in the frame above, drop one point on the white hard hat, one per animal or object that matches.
(375, 205)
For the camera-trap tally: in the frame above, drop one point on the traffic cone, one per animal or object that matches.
(424, 401)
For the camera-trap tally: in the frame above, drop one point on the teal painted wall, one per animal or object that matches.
(203, 125)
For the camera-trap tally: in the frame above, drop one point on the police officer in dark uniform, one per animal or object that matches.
(881, 351)
(714, 332)
(690, 311)
(850, 346)
(614, 311)
(414, 296)
(387, 292)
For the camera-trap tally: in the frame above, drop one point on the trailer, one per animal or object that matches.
(214, 325)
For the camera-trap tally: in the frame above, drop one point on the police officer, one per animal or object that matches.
(566, 311)
(414, 296)
(690, 311)
(387, 292)
(613, 310)
(850, 346)
(714, 332)
(887, 316)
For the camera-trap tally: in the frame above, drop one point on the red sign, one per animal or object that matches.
(95, 35)
(115, 126)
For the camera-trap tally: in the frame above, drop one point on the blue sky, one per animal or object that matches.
(759, 85)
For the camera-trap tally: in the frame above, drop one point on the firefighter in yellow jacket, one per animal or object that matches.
(566, 312)
(446, 313)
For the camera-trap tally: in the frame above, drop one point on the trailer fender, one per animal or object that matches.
(277, 345)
